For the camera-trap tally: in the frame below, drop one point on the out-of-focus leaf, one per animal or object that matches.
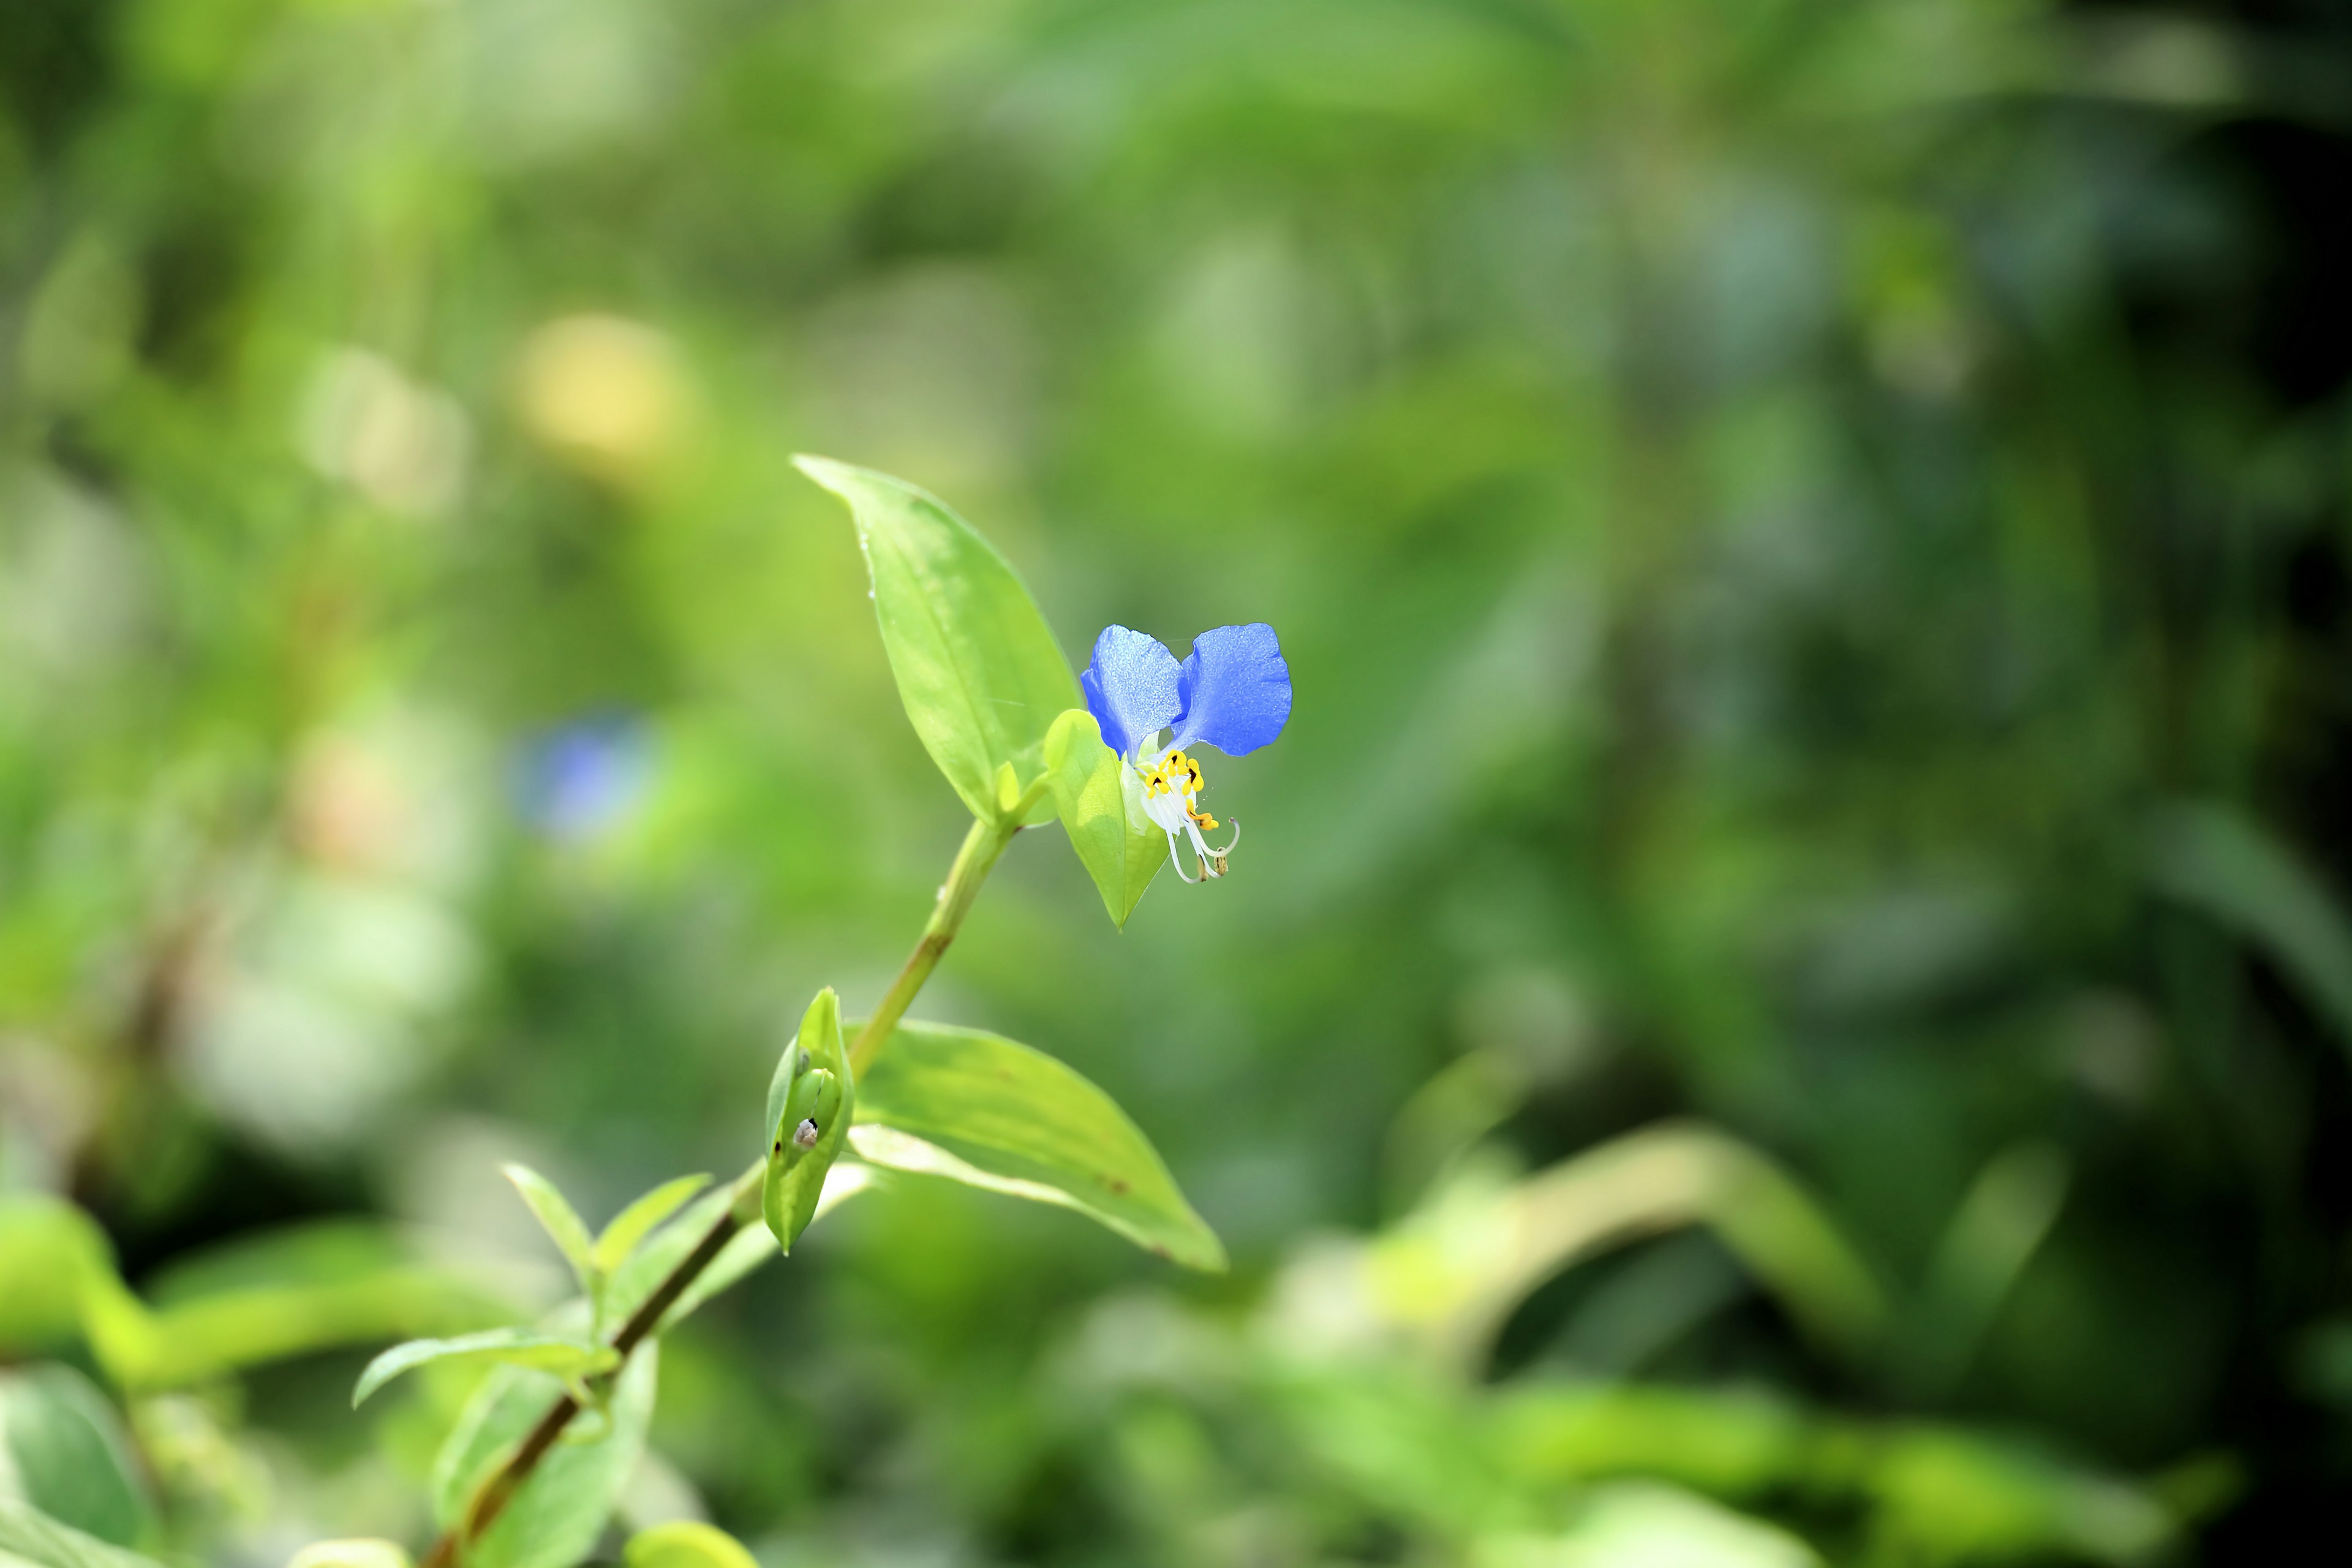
(1632, 1523)
(1456, 1268)
(558, 1218)
(1999, 1225)
(976, 1108)
(977, 668)
(61, 1274)
(685, 1543)
(360, 1551)
(1959, 1498)
(296, 1291)
(48, 1248)
(66, 1453)
(301, 1289)
(1934, 1493)
(1101, 805)
(795, 1178)
(629, 1227)
(29, 1536)
(556, 1516)
(1735, 1443)
(567, 1357)
(2232, 869)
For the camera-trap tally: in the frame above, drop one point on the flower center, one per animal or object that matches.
(1171, 789)
(1175, 779)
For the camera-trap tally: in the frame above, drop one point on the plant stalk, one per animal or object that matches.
(982, 847)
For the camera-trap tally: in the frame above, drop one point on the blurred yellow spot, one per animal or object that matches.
(606, 393)
(360, 1553)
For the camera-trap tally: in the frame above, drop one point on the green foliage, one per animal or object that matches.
(565, 1356)
(1100, 802)
(64, 1451)
(1812, 541)
(301, 1289)
(630, 1226)
(685, 1543)
(558, 1513)
(979, 671)
(558, 1219)
(2217, 861)
(813, 1097)
(978, 1109)
(1457, 1267)
(30, 1539)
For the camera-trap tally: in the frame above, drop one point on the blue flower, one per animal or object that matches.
(587, 776)
(1231, 692)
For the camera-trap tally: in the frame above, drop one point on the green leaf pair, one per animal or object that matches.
(595, 1260)
(600, 1263)
(986, 685)
(810, 1101)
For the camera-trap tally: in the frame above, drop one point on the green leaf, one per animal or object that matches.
(1101, 805)
(66, 1451)
(824, 1096)
(630, 1225)
(567, 1357)
(2242, 875)
(558, 1218)
(29, 1536)
(981, 674)
(982, 1109)
(685, 1543)
(554, 1519)
(47, 1249)
(290, 1292)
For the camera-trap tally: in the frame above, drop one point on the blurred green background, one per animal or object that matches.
(1814, 541)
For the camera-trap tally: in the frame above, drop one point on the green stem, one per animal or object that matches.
(982, 847)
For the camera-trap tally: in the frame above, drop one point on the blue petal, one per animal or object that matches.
(1236, 690)
(1131, 687)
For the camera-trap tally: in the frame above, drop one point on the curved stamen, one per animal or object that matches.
(1173, 859)
(1236, 824)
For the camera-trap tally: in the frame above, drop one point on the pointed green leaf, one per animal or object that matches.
(1016, 1121)
(557, 1217)
(566, 1356)
(65, 1452)
(556, 1516)
(1101, 805)
(631, 1224)
(980, 675)
(815, 1104)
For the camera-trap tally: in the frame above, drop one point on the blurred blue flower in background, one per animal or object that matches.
(1233, 692)
(579, 781)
